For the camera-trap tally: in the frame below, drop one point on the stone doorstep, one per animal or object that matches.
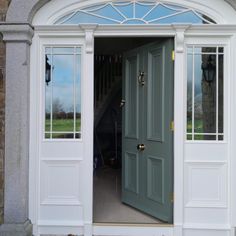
(16, 229)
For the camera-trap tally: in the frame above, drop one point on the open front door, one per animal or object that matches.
(147, 158)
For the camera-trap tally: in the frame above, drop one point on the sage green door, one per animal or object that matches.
(147, 153)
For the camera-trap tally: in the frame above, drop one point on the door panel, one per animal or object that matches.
(155, 113)
(155, 179)
(131, 91)
(131, 165)
(154, 164)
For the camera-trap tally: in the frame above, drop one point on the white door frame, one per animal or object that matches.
(183, 34)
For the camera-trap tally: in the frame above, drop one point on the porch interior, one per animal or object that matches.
(108, 68)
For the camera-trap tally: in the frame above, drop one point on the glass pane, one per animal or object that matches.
(78, 50)
(159, 12)
(186, 17)
(200, 50)
(126, 9)
(63, 85)
(208, 93)
(142, 9)
(66, 50)
(189, 137)
(82, 17)
(190, 50)
(63, 93)
(63, 19)
(78, 94)
(63, 136)
(199, 137)
(48, 50)
(78, 135)
(189, 93)
(207, 19)
(198, 98)
(135, 12)
(134, 22)
(221, 50)
(204, 137)
(109, 12)
(221, 93)
(208, 87)
(209, 49)
(48, 90)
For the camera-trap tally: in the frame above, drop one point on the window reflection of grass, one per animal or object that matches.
(189, 137)
(198, 126)
(66, 125)
(199, 137)
(63, 125)
(189, 126)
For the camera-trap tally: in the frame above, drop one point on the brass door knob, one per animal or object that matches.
(141, 147)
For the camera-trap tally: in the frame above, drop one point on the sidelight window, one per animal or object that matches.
(62, 93)
(205, 97)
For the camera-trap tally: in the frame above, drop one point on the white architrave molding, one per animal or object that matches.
(147, 30)
(89, 36)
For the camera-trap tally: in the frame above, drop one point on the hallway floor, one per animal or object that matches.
(108, 207)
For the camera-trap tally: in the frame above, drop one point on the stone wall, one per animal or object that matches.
(3, 9)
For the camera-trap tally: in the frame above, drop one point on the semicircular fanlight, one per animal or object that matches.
(135, 12)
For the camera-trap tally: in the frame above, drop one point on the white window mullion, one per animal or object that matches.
(51, 112)
(193, 94)
(217, 93)
(74, 90)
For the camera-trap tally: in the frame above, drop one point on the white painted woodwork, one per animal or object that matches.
(204, 171)
(61, 188)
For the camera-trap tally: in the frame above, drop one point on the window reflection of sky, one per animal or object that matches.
(159, 11)
(127, 12)
(63, 82)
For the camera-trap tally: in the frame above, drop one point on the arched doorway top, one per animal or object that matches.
(133, 12)
(32, 10)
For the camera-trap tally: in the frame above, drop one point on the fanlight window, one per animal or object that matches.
(135, 12)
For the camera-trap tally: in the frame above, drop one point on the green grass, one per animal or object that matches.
(63, 125)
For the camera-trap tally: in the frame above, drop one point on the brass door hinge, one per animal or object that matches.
(173, 55)
(172, 197)
(172, 126)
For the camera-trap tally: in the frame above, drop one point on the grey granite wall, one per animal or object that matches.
(3, 9)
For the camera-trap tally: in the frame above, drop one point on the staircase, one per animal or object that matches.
(107, 76)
